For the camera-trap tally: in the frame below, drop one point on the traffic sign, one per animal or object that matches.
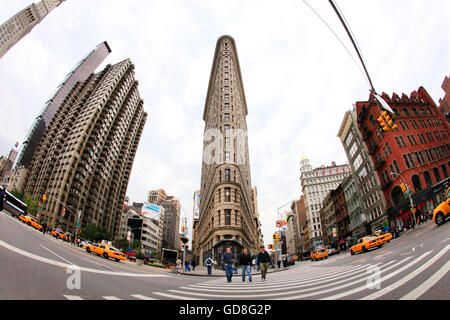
(78, 224)
(408, 193)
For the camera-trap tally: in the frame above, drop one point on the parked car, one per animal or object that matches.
(366, 243)
(306, 255)
(319, 254)
(442, 211)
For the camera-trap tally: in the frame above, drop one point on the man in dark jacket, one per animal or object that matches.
(246, 262)
(227, 261)
(263, 259)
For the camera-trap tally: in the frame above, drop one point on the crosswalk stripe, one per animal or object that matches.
(262, 287)
(111, 298)
(68, 297)
(408, 277)
(392, 274)
(277, 283)
(249, 295)
(420, 290)
(347, 283)
(141, 297)
(178, 297)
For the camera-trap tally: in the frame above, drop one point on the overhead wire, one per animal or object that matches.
(341, 42)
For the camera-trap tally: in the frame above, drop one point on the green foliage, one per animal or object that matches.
(32, 204)
(140, 255)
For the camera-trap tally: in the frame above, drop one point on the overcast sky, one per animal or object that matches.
(298, 79)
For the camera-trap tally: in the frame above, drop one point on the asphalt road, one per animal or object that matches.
(36, 266)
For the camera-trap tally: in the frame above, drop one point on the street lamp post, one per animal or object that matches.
(77, 216)
(279, 231)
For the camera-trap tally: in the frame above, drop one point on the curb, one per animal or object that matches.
(222, 273)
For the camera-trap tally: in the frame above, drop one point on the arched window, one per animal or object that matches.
(436, 174)
(416, 183)
(396, 195)
(428, 180)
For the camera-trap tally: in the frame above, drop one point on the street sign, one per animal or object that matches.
(279, 224)
(78, 224)
(408, 193)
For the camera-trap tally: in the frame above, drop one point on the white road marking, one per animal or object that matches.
(111, 298)
(175, 296)
(263, 287)
(56, 254)
(402, 281)
(64, 265)
(408, 277)
(73, 297)
(424, 287)
(141, 297)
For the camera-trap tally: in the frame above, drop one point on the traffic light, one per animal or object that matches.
(383, 123)
(277, 237)
(63, 212)
(390, 121)
(404, 188)
(274, 238)
(44, 197)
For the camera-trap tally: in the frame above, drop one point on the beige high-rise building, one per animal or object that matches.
(84, 160)
(23, 22)
(227, 217)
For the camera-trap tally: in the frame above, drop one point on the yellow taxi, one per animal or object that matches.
(58, 234)
(387, 236)
(105, 251)
(31, 221)
(318, 254)
(366, 243)
(441, 213)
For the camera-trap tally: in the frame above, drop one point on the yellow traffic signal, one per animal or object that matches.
(277, 236)
(44, 197)
(63, 212)
(383, 123)
(390, 121)
(404, 188)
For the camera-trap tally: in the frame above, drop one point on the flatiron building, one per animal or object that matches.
(227, 215)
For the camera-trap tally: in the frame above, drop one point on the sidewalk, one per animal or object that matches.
(219, 273)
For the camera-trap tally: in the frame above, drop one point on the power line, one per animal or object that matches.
(334, 33)
(353, 42)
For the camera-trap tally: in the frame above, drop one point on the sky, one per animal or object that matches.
(299, 80)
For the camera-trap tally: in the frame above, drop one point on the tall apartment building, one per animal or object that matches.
(226, 209)
(417, 153)
(368, 184)
(23, 22)
(316, 183)
(83, 162)
(80, 73)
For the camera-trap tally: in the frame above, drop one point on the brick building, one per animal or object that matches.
(416, 153)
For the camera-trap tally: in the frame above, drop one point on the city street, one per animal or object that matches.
(36, 266)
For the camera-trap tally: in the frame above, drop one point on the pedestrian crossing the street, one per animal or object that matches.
(380, 280)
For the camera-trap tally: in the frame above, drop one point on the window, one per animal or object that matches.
(227, 117)
(227, 156)
(227, 175)
(227, 217)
